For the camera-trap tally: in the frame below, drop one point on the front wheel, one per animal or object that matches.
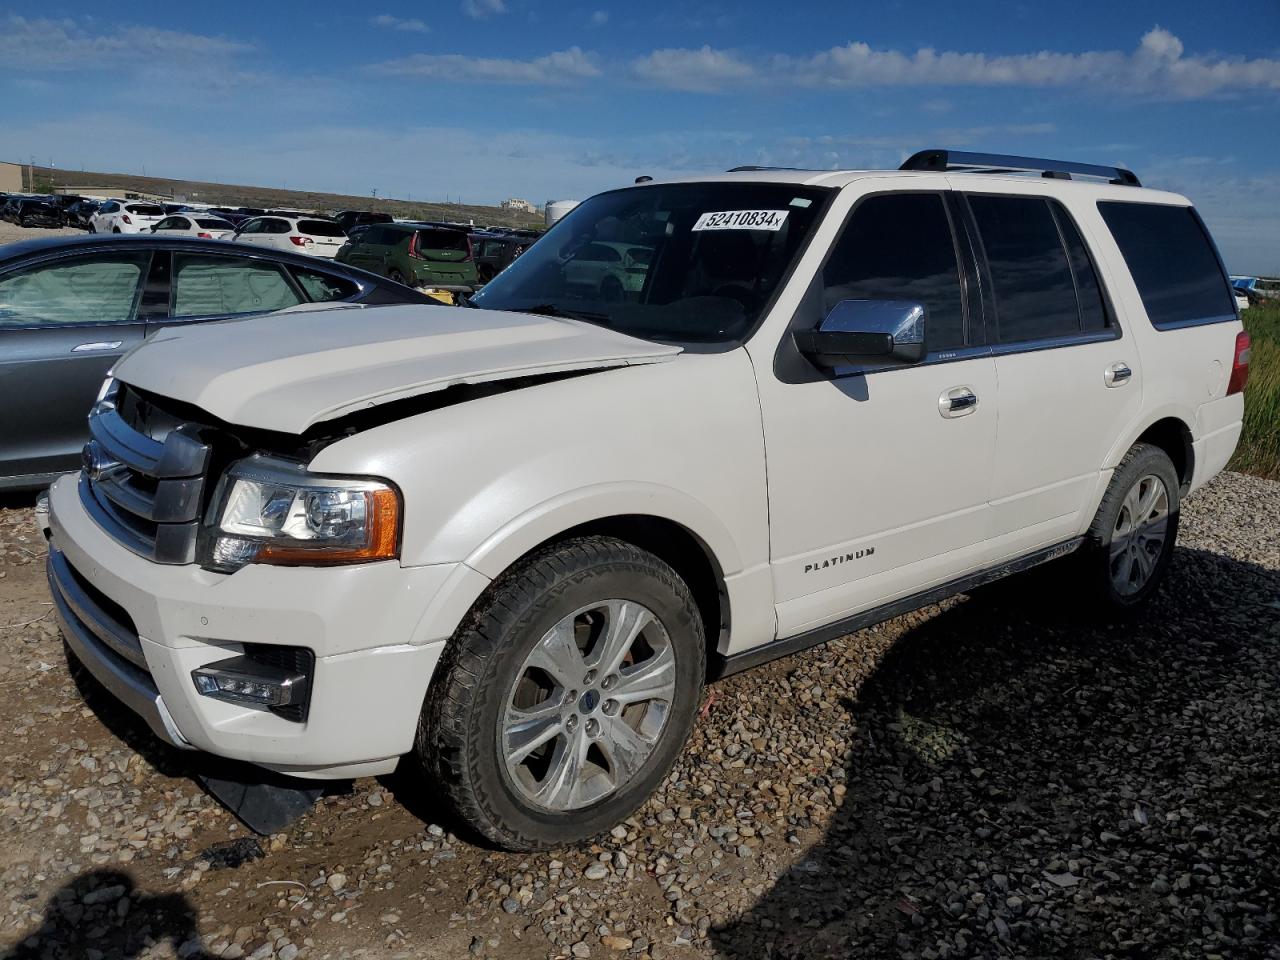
(1131, 540)
(567, 694)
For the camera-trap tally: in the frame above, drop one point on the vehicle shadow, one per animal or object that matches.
(103, 911)
(1024, 782)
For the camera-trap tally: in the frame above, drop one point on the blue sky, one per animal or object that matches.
(482, 99)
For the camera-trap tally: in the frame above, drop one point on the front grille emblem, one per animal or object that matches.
(97, 462)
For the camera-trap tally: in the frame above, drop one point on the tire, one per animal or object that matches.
(115, 229)
(611, 290)
(395, 276)
(492, 670)
(1121, 568)
(93, 227)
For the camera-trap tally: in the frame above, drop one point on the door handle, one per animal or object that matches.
(1117, 375)
(97, 346)
(957, 402)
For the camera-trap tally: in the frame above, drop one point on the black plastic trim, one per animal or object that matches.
(122, 640)
(784, 647)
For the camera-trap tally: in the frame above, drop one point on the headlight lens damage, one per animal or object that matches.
(272, 511)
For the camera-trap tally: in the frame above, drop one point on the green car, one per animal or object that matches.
(415, 254)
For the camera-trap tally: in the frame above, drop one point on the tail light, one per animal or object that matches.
(125, 218)
(205, 236)
(413, 246)
(1239, 365)
(301, 241)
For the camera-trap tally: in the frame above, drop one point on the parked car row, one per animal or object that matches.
(449, 258)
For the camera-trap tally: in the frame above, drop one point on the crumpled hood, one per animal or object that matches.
(289, 370)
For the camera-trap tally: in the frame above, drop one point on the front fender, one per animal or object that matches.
(521, 534)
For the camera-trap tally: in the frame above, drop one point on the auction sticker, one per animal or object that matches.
(742, 220)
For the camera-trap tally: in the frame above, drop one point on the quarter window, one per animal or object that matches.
(210, 286)
(103, 289)
(1172, 261)
(900, 247)
(1031, 280)
(321, 287)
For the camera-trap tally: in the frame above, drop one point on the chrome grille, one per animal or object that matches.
(144, 486)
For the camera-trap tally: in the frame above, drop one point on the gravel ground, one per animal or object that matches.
(10, 232)
(992, 777)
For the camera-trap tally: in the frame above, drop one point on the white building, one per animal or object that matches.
(515, 203)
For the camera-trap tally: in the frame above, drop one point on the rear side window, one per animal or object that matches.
(211, 286)
(900, 247)
(1172, 261)
(320, 228)
(1093, 310)
(1035, 296)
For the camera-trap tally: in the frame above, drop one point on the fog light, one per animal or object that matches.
(242, 680)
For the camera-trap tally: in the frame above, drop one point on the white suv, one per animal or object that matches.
(121, 216)
(511, 544)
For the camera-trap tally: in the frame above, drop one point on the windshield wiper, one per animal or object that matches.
(552, 310)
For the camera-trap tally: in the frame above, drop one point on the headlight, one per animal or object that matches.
(272, 511)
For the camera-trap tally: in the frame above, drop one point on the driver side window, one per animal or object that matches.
(900, 247)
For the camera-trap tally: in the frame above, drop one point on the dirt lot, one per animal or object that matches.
(993, 777)
(10, 232)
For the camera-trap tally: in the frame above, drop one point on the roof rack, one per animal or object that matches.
(755, 169)
(942, 160)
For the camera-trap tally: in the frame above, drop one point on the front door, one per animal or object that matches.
(878, 477)
(63, 323)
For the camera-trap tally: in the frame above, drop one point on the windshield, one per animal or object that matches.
(693, 262)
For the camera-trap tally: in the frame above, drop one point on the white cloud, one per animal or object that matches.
(412, 25)
(562, 67)
(45, 44)
(599, 18)
(703, 70)
(1158, 66)
(479, 9)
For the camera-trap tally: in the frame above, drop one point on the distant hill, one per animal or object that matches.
(236, 195)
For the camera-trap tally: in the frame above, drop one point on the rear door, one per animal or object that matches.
(214, 286)
(1070, 384)
(63, 322)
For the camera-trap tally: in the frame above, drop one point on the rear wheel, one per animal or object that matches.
(566, 696)
(1132, 537)
(397, 277)
(611, 290)
(115, 229)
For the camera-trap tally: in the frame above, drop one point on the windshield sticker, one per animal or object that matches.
(742, 220)
(800, 202)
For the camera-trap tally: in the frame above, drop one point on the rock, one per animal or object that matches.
(596, 871)
(336, 881)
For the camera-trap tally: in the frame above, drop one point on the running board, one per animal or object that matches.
(728, 666)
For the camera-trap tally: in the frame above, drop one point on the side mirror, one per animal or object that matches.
(859, 330)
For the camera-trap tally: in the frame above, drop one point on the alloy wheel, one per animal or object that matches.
(588, 705)
(1138, 539)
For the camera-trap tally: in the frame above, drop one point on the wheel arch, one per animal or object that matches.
(1171, 432)
(679, 530)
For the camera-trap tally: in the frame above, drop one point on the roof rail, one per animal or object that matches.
(755, 169)
(1003, 163)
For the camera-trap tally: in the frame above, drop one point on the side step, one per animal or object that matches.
(728, 666)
